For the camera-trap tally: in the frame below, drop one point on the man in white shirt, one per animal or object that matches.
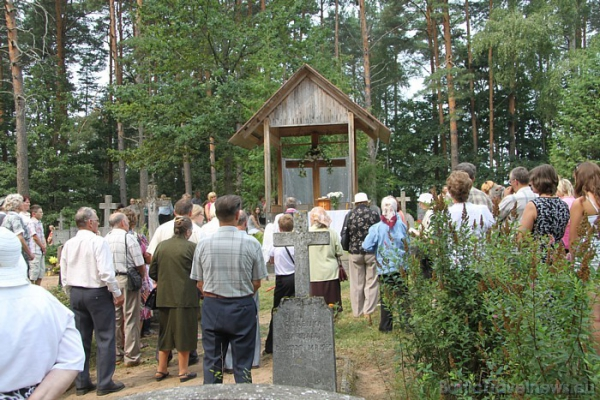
(518, 194)
(88, 275)
(183, 208)
(42, 351)
(127, 253)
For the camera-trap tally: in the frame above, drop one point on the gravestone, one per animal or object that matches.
(403, 200)
(303, 339)
(62, 234)
(108, 206)
(239, 392)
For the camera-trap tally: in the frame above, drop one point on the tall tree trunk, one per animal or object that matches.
(491, 95)
(337, 30)
(372, 146)
(211, 143)
(471, 80)
(450, 83)
(3, 146)
(432, 65)
(262, 5)
(440, 102)
(187, 171)
(14, 54)
(512, 119)
(137, 32)
(61, 76)
(114, 46)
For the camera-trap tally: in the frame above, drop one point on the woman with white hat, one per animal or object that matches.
(42, 352)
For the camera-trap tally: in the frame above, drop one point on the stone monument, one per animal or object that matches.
(303, 340)
(108, 206)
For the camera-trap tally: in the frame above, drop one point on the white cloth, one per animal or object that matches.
(475, 213)
(337, 219)
(521, 198)
(210, 228)
(86, 261)
(166, 231)
(116, 241)
(38, 335)
(267, 244)
(284, 265)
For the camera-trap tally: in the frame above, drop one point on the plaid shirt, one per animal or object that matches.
(476, 196)
(37, 229)
(520, 199)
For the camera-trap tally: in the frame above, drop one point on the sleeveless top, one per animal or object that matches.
(552, 218)
(595, 238)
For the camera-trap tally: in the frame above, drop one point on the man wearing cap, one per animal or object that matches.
(364, 285)
(88, 275)
(42, 351)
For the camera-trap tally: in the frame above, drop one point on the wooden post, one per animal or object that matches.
(267, 157)
(316, 179)
(353, 182)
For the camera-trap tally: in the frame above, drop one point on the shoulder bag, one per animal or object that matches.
(134, 279)
(345, 236)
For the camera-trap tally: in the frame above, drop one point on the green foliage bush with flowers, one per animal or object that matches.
(494, 319)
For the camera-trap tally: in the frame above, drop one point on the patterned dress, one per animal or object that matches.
(552, 218)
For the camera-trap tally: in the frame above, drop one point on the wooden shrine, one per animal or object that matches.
(307, 105)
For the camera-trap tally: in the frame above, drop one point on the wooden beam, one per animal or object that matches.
(267, 158)
(316, 181)
(336, 162)
(353, 181)
(280, 199)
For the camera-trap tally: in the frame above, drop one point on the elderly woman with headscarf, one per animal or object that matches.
(387, 239)
(325, 261)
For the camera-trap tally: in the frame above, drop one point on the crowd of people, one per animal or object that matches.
(204, 264)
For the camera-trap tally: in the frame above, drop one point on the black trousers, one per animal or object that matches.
(284, 287)
(228, 322)
(391, 284)
(95, 313)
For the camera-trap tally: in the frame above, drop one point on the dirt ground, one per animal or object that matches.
(371, 380)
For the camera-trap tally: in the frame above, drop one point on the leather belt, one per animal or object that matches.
(121, 273)
(216, 296)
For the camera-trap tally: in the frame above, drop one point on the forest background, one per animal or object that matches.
(105, 96)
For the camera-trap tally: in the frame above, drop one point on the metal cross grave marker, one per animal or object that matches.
(301, 238)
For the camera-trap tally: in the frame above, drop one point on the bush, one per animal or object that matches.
(494, 318)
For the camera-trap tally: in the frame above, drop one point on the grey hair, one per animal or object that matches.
(291, 202)
(116, 219)
(468, 168)
(520, 174)
(243, 218)
(83, 215)
(13, 201)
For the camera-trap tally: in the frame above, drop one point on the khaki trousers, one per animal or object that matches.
(364, 285)
(127, 328)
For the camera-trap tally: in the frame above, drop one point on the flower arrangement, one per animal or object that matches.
(54, 262)
(335, 197)
(312, 155)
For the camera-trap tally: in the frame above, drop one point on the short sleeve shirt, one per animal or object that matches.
(359, 222)
(227, 263)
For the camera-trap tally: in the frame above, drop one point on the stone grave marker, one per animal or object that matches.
(304, 344)
(403, 200)
(108, 206)
(63, 233)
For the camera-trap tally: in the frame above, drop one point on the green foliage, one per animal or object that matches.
(578, 119)
(494, 315)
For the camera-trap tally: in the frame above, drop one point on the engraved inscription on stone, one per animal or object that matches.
(304, 346)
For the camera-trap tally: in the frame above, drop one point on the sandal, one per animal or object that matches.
(187, 376)
(159, 376)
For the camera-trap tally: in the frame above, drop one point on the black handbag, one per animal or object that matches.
(134, 279)
(345, 236)
(151, 300)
